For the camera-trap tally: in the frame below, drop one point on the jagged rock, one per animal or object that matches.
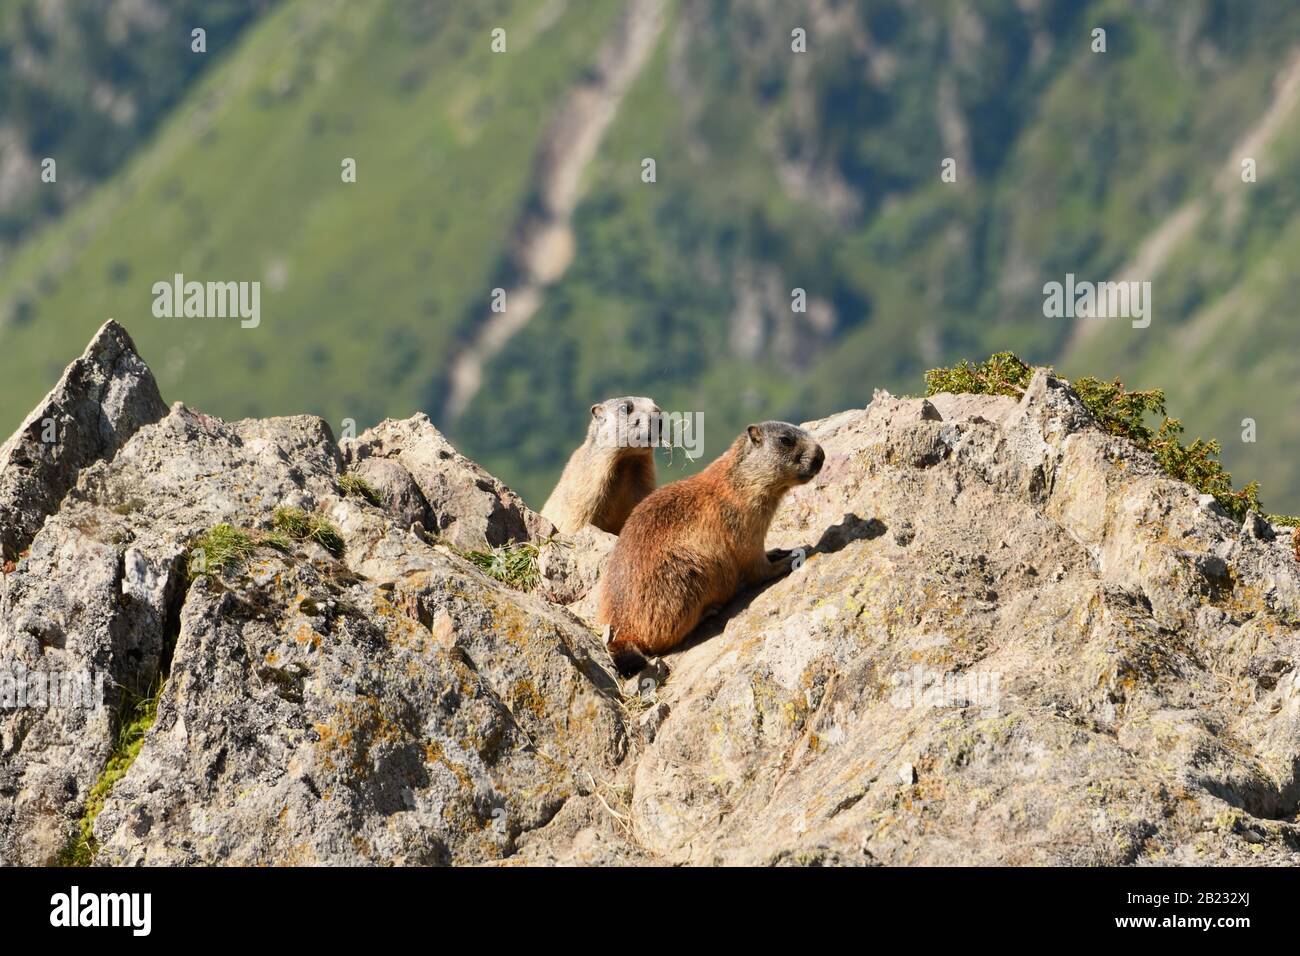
(106, 589)
(432, 723)
(100, 591)
(1141, 706)
(400, 495)
(1013, 640)
(468, 507)
(652, 720)
(1255, 526)
(103, 398)
(570, 565)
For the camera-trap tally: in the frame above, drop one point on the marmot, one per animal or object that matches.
(693, 544)
(612, 471)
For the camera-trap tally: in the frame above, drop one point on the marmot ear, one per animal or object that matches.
(597, 411)
(755, 434)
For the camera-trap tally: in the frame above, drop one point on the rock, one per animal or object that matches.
(103, 399)
(1256, 526)
(570, 565)
(361, 735)
(1013, 640)
(1210, 503)
(102, 587)
(396, 489)
(974, 408)
(468, 507)
(652, 720)
(1039, 723)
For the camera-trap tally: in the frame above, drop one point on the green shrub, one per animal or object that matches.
(1121, 412)
(1199, 466)
(1118, 411)
(1002, 374)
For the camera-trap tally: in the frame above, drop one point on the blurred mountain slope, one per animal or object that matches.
(775, 171)
(86, 83)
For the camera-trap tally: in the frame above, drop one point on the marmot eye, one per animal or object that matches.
(787, 441)
(627, 407)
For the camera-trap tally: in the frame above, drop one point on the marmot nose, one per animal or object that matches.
(818, 460)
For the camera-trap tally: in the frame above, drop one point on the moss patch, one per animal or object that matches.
(136, 715)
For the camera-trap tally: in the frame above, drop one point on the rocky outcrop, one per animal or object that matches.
(466, 505)
(103, 399)
(1013, 640)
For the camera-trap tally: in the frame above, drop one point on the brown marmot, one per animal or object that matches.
(612, 471)
(693, 544)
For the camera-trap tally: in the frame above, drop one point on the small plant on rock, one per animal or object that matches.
(512, 564)
(303, 526)
(354, 486)
(134, 718)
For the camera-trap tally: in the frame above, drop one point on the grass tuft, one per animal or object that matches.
(354, 486)
(302, 526)
(225, 546)
(512, 564)
(220, 549)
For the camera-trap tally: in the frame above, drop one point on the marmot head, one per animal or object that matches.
(779, 455)
(627, 426)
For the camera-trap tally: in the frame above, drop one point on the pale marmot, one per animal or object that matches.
(612, 471)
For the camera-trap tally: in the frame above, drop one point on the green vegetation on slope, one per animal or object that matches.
(363, 283)
(775, 171)
(1072, 159)
(86, 83)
